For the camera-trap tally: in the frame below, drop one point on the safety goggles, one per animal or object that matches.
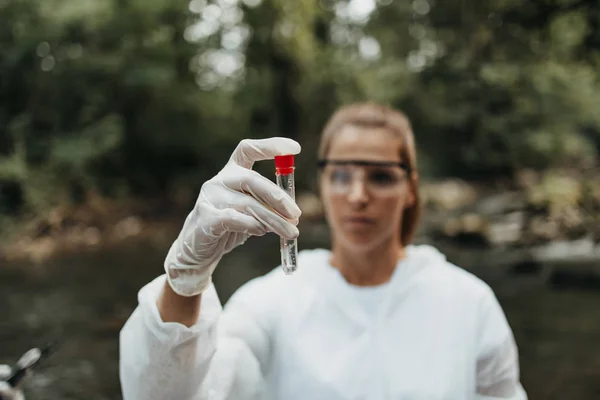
(380, 178)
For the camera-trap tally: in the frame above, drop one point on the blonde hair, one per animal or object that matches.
(372, 115)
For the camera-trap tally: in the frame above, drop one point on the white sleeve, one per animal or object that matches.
(161, 360)
(221, 357)
(498, 358)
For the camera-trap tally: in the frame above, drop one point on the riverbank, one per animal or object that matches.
(540, 217)
(97, 223)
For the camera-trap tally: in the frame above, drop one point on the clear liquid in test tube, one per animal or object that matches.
(284, 173)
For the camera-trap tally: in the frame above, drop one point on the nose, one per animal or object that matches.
(358, 192)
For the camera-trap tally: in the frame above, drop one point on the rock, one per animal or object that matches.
(41, 249)
(473, 223)
(451, 227)
(91, 236)
(449, 194)
(572, 217)
(544, 228)
(583, 249)
(507, 230)
(556, 191)
(467, 227)
(127, 227)
(501, 203)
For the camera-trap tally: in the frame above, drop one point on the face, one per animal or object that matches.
(364, 201)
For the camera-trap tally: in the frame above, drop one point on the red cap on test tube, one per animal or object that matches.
(284, 164)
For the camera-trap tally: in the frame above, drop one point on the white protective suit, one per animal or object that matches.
(433, 332)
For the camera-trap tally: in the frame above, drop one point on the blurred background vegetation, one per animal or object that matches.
(135, 99)
(114, 112)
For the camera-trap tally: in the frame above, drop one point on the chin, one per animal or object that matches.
(361, 241)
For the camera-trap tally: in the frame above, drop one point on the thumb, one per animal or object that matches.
(249, 151)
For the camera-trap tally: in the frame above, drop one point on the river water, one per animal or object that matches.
(85, 298)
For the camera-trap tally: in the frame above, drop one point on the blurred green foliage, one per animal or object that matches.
(136, 98)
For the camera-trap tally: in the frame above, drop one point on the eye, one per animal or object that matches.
(383, 178)
(341, 176)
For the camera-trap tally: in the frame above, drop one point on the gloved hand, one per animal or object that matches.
(6, 391)
(235, 204)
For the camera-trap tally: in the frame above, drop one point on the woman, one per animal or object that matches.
(374, 318)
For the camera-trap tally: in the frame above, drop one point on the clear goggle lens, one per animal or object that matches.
(379, 178)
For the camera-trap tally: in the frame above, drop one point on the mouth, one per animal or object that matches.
(360, 221)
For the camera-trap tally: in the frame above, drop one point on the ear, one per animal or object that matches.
(411, 199)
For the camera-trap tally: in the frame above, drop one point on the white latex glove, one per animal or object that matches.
(235, 204)
(6, 391)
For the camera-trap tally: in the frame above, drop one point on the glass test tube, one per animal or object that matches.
(284, 173)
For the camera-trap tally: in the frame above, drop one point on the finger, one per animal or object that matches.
(249, 151)
(251, 182)
(220, 221)
(267, 217)
(275, 224)
(238, 222)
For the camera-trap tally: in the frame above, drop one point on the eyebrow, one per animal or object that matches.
(365, 163)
